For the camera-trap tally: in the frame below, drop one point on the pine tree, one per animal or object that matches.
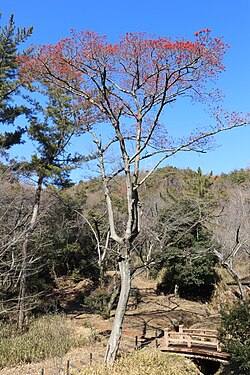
(10, 39)
(51, 129)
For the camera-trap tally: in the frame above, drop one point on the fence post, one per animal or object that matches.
(136, 342)
(189, 341)
(156, 339)
(218, 347)
(90, 358)
(166, 334)
(42, 373)
(67, 368)
(181, 328)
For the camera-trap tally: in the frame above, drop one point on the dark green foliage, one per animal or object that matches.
(189, 264)
(235, 335)
(237, 177)
(10, 39)
(73, 253)
(51, 129)
(193, 273)
(71, 247)
(97, 302)
(135, 296)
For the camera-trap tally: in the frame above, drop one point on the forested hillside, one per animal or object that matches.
(192, 224)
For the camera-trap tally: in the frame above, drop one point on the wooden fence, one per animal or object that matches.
(128, 344)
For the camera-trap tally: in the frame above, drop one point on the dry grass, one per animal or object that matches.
(145, 362)
(48, 336)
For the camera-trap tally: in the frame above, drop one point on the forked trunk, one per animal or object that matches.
(114, 340)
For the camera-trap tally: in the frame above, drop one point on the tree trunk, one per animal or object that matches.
(23, 272)
(114, 340)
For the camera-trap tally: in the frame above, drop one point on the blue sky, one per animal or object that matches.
(53, 20)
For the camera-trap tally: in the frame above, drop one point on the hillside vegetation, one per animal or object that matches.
(192, 223)
(194, 240)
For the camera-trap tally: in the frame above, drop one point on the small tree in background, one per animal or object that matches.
(186, 248)
(178, 228)
(192, 273)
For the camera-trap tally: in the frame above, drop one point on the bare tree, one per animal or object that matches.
(15, 216)
(232, 232)
(128, 84)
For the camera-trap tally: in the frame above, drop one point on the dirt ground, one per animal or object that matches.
(144, 320)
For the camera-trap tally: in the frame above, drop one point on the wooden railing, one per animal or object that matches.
(192, 338)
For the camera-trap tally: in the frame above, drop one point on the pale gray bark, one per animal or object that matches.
(114, 339)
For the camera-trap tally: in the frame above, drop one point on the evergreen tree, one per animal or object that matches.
(10, 39)
(187, 245)
(51, 129)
